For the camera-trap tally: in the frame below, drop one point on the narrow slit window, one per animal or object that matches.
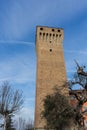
(60, 35)
(46, 36)
(56, 35)
(40, 35)
(43, 36)
(50, 36)
(53, 36)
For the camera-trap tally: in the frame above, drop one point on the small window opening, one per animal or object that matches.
(53, 35)
(50, 41)
(50, 50)
(43, 33)
(56, 35)
(53, 30)
(60, 35)
(47, 34)
(41, 28)
(50, 34)
(40, 33)
(58, 30)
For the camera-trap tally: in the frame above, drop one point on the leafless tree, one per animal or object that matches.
(80, 79)
(22, 124)
(29, 124)
(10, 101)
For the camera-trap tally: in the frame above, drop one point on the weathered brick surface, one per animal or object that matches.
(50, 67)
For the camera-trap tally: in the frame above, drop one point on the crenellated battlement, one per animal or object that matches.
(50, 35)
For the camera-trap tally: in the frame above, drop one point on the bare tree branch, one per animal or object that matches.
(10, 101)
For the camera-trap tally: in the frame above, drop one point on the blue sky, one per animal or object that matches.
(18, 21)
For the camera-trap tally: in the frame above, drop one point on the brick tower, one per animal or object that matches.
(50, 67)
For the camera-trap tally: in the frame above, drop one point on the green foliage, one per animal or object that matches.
(31, 129)
(57, 110)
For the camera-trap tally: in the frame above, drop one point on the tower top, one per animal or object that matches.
(50, 34)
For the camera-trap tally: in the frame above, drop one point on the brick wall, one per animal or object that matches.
(51, 70)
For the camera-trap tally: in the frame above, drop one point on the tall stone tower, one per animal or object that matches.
(50, 67)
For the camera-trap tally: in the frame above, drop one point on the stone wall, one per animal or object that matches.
(51, 70)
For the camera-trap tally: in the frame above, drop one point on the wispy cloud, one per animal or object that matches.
(16, 42)
(76, 51)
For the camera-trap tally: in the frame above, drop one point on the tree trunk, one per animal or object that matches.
(5, 121)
